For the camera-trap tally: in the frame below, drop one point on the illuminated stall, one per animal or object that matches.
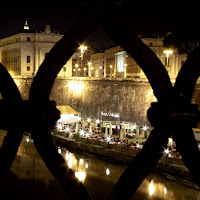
(68, 115)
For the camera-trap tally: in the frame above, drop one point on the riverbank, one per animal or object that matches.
(171, 166)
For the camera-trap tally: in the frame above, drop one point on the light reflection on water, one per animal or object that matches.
(30, 178)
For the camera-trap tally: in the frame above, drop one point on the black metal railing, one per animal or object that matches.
(173, 115)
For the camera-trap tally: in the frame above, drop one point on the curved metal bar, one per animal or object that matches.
(149, 156)
(12, 140)
(188, 76)
(63, 50)
(143, 55)
(40, 91)
(184, 136)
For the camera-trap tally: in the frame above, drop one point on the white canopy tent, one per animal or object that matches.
(68, 115)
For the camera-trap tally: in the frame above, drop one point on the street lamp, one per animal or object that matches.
(168, 53)
(89, 69)
(76, 66)
(82, 48)
(125, 69)
(85, 69)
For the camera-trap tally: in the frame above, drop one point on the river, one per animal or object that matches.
(30, 179)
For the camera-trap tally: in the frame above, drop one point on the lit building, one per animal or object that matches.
(23, 53)
(117, 63)
(97, 63)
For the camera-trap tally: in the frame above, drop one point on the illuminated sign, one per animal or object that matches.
(116, 115)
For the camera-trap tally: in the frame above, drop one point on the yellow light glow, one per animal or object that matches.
(81, 176)
(168, 52)
(107, 172)
(151, 188)
(89, 64)
(81, 161)
(76, 65)
(77, 87)
(88, 120)
(97, 121)
(83, 48)
(111, 66)
(165, 190)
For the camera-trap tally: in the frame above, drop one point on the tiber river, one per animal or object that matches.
(30, 179)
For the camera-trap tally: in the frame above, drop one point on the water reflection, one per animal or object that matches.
(29, 176)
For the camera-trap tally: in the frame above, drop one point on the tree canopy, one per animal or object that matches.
(185, 40)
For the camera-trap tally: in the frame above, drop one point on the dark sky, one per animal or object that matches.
(150, 19)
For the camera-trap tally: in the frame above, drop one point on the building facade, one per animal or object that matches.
(23, 53)
(117, 63)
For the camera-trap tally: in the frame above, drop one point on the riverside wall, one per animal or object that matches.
(90, 96)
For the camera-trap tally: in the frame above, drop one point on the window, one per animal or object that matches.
(28, 59)
(28, 68)
(28, 39)
(150, 44)
(64, 69)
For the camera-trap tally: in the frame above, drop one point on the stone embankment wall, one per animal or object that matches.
(91, 96)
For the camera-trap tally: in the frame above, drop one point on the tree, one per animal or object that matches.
(185, 40)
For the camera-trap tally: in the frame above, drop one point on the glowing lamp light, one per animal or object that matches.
(59, 126)
(70, 162)
(151, 188)
(83, 48)
(81, 176)
(82, 132)
(108, 139)
(168, 52)
(77, 87)
(134, 126)
(81, 161)
(111, 66)
(107, 172)
(145, 128)
(97, 121)
(87, 135)
(166, 151)
(165, 190)
(88, 120)
(59, 150)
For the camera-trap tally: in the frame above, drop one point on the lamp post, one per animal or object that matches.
(168, 52)
(82, 48)
(125, 68)
(85, 71)
(89, 69)
(76, 69)
(111, 71)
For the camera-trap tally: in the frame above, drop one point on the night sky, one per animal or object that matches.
(146, 20)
